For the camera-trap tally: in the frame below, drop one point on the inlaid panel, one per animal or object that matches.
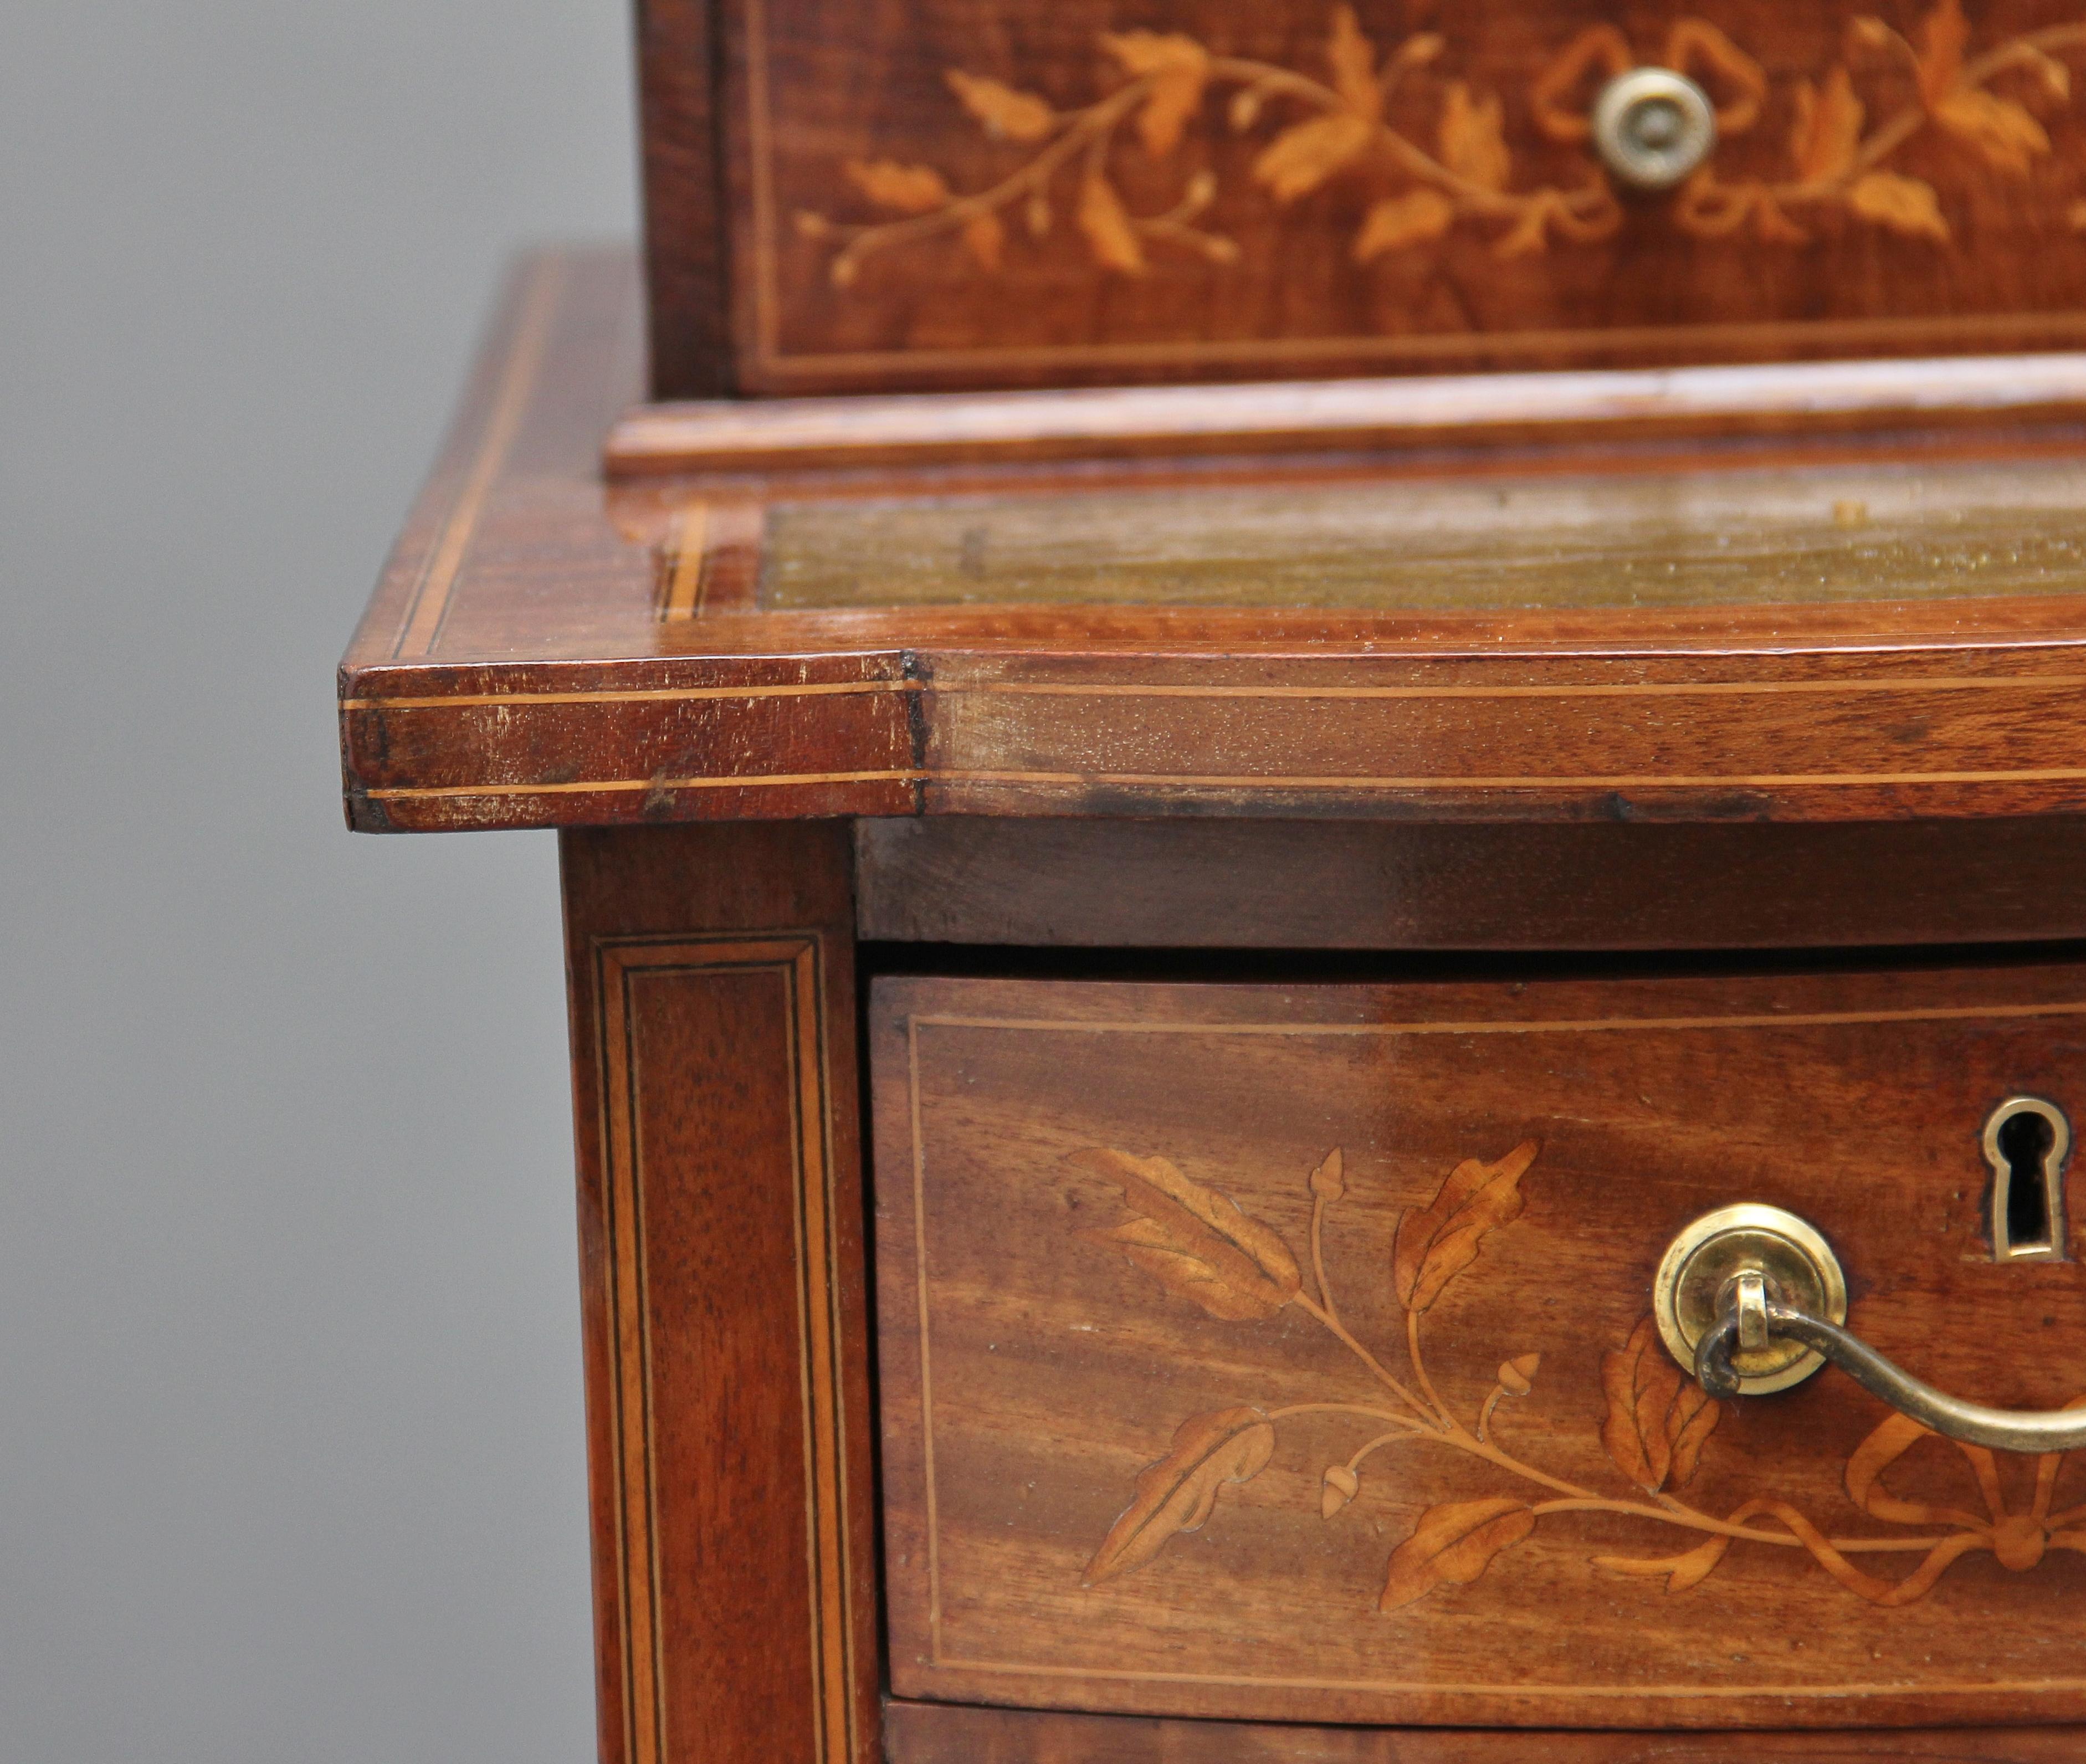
(989, 192)
(721, 1268)
(1285, 1353)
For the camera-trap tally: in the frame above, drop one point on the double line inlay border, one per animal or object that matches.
(1110, 689)
(914, 1023)
(1422, 782)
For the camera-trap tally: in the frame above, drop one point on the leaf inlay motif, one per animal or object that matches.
(1201, 1246)
(1426, 155)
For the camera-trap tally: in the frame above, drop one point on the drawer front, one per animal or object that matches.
(1287, 1353)
(1005, 192)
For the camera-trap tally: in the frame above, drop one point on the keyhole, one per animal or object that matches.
(2026, 1140)
(2024, 1143)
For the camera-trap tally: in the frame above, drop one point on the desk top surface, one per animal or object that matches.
(1496, 617)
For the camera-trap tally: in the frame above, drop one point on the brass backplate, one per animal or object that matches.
(1699, 1265)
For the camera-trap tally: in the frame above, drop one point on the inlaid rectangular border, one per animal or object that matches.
(762, 351)
(620, 964)
(911, 1023)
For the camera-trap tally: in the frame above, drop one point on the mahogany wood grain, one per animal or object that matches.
(995, 193)
(944, 1733)
(728, 1406)
(1207, 1389)
(517, 668)
(1820, 626)
(1481, 409)
(1216, 885)
(689, 294)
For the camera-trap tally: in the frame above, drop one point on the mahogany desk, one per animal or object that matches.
(1166, 903)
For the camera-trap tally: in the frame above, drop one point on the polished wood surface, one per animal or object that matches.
(1265, 1372)
(1466, 410)
(688, 304)
(1302, 885)
(537, 655)
(931, 1733)
(1283, 1352)
(711, 975)
(991, 192)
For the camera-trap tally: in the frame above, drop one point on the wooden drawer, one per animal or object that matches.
(992, 192)
(1282, 1353)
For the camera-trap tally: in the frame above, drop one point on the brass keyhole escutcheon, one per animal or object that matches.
(1702, 1265)
(1653, 127)
(2027, 1141)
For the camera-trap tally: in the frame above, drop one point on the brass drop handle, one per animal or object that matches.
(1752, 1299)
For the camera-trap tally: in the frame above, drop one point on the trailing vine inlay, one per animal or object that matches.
(1367, 121)
(1199, 1245)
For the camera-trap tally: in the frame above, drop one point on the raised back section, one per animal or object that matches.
(847, 197)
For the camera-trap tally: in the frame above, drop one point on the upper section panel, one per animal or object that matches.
(1000, 193)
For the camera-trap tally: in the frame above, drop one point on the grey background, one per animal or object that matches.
(290, 1432)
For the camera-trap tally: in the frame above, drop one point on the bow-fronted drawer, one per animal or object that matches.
(1291, 1352)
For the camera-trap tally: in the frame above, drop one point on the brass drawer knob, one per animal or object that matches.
(1751, 1299)
(1653, 127)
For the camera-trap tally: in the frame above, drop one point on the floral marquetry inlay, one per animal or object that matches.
(1426, 148)
(1655, 1424)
